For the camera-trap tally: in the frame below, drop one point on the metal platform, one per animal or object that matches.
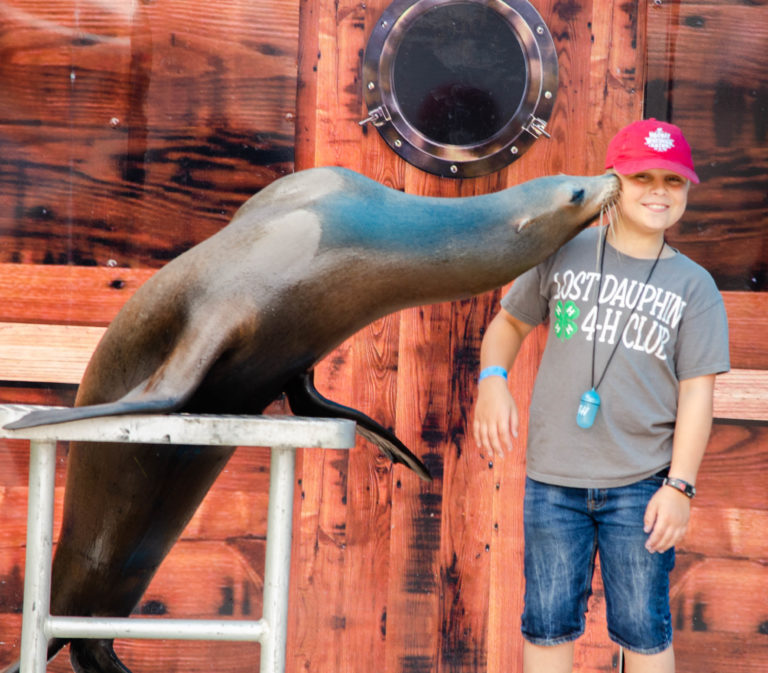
(282, 434)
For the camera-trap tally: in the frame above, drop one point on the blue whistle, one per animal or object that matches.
(588, 406)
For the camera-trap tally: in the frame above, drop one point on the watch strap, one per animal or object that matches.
(681, 485)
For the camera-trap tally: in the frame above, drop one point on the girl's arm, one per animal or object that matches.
(495, 417)
(668, 512)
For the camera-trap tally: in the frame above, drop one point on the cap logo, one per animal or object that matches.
(659, 140)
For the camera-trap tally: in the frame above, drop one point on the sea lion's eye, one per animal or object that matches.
(577, 196)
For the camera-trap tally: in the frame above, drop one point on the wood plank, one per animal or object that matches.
(94, 295)
(46, 353)
(67, 295)
(729, 476)
(706, 652)
(468, 495)
(414, 634)
(341, 580)
(60, 353)
(54, 395)
(506, 606)
(723, 526)
(154, 656)
(235, 506)
(742, 394)
(225, 514)
(720, 595)
(747, 317)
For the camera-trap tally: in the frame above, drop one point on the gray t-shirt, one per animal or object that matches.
(678, 330)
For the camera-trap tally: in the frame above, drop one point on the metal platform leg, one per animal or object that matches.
(37, 573)
(278, 558)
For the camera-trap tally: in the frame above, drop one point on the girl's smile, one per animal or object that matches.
(651, 202)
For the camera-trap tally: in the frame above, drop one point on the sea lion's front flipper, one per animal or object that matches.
(305, 400)
(125, 405)
(163, 391)
(95, 656)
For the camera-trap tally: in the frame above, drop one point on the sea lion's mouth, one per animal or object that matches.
(612, 197)
(610, 201)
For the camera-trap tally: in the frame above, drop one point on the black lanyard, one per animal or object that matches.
(597, 312)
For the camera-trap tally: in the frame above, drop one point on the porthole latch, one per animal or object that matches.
(378, 117)
(536, 127)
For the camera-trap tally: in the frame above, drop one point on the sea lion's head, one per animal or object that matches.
(553, 209)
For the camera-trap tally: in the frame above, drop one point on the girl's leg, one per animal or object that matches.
(560, 547)
(663, 662)
(550, 659)
(636, 582)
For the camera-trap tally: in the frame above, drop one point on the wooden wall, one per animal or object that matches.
(704, 73)
(114, 117)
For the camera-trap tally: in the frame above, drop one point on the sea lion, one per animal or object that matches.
(243, 317)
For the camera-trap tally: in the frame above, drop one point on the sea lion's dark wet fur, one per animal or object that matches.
(242, 318)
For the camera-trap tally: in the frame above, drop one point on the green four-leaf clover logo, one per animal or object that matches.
(565, 320)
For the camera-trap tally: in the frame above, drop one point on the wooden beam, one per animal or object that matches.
(74, 295)
(60, 353)
(46, 353)
(742, 394)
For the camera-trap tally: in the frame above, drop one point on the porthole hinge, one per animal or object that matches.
(378, 117)
(536, 127)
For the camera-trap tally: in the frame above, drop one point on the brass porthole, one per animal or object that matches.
(460, 88)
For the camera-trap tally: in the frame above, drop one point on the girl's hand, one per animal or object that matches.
(495, 418)
(666, 519)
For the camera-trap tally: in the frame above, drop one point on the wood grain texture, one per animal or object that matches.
(722, 107)
(46, 353)
(742, 394)
(703, 76)
(117, 121)
(66, 295)
(747, 323)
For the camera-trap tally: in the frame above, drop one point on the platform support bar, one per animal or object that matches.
(37, 572)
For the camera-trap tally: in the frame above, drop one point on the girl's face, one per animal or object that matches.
(653, 200)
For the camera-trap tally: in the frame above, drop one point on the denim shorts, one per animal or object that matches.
(565, 528)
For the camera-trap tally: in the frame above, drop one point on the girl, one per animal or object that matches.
(621, 409)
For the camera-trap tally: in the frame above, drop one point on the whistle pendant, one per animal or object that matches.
(588, 406)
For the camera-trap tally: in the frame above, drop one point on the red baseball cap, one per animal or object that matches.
(648, 144)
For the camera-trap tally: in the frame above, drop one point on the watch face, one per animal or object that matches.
(680, 485)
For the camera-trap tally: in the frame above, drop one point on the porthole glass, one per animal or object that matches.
(460, 87)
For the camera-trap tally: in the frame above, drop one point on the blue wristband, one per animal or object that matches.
(492, 371)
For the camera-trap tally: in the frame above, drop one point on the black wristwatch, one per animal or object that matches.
(680, 485)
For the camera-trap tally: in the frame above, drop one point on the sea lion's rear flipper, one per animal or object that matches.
(95, 656)
(305, 400)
